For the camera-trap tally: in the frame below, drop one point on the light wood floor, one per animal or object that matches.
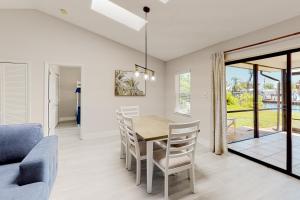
(67, 124)
(91, 169)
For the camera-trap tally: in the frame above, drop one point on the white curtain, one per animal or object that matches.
(219, 104)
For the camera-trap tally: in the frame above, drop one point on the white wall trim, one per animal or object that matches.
(46, 94)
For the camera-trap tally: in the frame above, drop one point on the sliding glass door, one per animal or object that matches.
(295, 95)
(271, 139)
(263, 110)
(260, 92)
(239, 103)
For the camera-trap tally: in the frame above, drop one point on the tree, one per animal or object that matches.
(236, 85)
(269, 86)
(249, 84)
(185, 83)
(231, 100)
(247, 99)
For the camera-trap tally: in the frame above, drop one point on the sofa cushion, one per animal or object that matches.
(8, 175)
(40, 165)
(160, 158)
(35, 191)
(16, 141)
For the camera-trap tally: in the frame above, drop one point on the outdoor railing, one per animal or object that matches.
(248, 110)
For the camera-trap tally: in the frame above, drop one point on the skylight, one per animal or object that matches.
(165, 1)
(119, 14)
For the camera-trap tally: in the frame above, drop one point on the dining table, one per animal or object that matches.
(151, 128)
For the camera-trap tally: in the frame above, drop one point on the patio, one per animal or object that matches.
(271, 149)
(246, 132)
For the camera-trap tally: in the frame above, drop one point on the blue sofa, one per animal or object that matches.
(28, 162)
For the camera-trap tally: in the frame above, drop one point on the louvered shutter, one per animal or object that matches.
(14, 93)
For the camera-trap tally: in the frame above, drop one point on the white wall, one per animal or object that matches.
(32, 37)
(200, 65)
(68, 78)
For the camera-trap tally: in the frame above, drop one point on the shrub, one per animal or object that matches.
(231, 100)
(246, 100)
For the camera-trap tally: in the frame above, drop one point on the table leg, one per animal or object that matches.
(149, 166)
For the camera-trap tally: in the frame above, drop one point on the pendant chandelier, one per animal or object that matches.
(148, 73)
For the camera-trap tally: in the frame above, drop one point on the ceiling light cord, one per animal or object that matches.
(146, 41)
(148, 73)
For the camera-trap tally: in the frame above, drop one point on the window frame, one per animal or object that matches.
(177, 109)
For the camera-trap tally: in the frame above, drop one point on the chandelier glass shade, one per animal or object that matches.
(148, 74)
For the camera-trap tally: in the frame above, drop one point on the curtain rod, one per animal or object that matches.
(263, 42)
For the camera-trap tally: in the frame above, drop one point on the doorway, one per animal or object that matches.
(263, 98)
(64, 99)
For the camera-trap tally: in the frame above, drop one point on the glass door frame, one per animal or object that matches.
(286, 104)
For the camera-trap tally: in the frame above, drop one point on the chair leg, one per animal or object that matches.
(126, 157)
(122, 152)
(192, 179)
(138, 172)
(129, 161)
(166, 186)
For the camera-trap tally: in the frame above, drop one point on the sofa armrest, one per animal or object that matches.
(16, 141)
(35, 191)
(40, 165)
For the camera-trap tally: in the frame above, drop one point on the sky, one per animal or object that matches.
(243, 75)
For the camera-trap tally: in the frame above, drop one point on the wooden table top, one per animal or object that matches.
(151, 127)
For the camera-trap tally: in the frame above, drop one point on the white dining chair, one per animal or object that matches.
(123, 136)
(136, 149)
(179, 154)
(130, 111)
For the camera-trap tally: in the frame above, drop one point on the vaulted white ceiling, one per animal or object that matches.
(176, 28)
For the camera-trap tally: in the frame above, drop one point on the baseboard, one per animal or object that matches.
(98, 134)
(65, 119)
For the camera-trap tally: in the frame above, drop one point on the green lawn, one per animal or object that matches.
(267, 119)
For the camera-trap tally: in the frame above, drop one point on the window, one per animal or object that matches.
(183, 93)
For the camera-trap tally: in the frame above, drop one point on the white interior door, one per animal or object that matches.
(13, 93)
(53, 99)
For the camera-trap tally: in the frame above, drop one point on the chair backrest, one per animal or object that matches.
(119, 116)
(131, 135)
(130, 111)
(182, 140)
(121, 124)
